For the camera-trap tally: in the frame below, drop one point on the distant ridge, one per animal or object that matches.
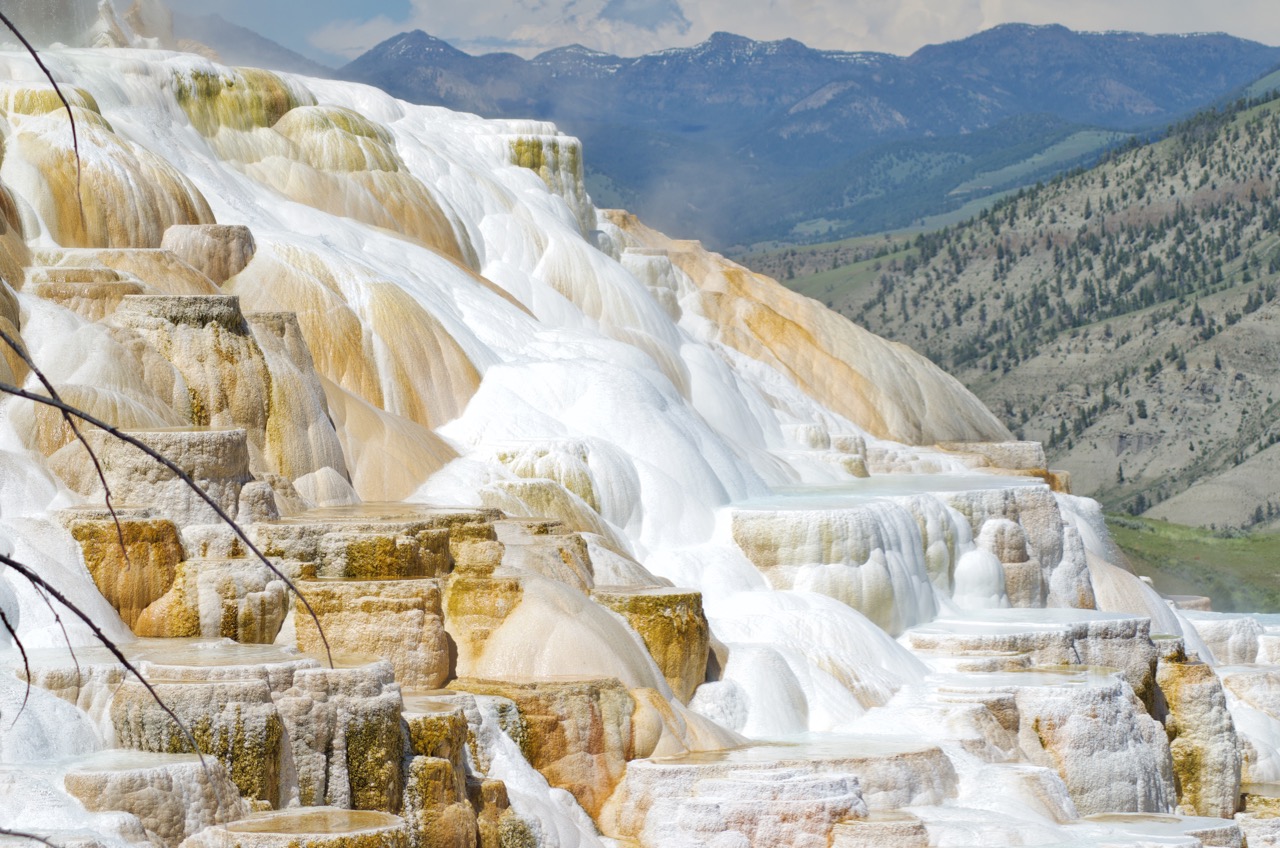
(735, 140)
(237, 45)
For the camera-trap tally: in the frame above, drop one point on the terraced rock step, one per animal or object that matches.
(1052, 637)
(674, 629)
(881, 830)
(311, 827)
(782, 794)
(173, 795)
(376, 540)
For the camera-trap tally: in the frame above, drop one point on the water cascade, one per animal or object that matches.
(611, 541)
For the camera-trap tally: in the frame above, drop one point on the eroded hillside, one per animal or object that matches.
(1126, 316)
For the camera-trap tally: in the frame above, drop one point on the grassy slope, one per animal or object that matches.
(1237, 573)
(1127, 316)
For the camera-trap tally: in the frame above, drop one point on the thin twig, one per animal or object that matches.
(106, 641)
(17, 834)
(65, 636)
(186, 479)
(20, 349)
(26, 665)
(75, 139)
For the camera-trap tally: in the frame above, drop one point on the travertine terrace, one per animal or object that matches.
(611, 542)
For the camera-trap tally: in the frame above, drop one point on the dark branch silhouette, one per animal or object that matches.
(17, 834)
(21, 350)
(36, 580)
(66, 104)
(185, 478)
(26, 665)
(70, 414)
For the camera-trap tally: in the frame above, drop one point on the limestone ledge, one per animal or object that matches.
(398, 620)
(309, 827)
(1202, 737)
(133, 577)
(1051, 638)
(783, 795)
(376, 540)
(577, 733)
(240, 599)
(217, 461)
(673, 627)
(173, 796)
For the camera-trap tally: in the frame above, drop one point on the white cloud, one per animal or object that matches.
(631, 27)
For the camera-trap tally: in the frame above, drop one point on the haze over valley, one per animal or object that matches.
(367, 481)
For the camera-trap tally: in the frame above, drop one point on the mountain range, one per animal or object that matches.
(736, 141)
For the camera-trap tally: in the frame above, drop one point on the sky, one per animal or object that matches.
(336, 31)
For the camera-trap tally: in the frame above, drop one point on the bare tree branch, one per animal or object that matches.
(17, 834)
(106, 641)
(75, 140)
(66, 637)
(186, 479)
(26, 664)
(20, 349)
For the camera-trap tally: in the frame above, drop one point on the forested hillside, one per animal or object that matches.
(1127, 316)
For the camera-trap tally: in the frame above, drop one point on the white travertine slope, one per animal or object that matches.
(431, 310)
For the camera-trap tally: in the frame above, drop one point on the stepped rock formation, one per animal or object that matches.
(571, 533)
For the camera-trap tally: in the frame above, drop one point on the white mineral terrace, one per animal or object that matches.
(612, 542)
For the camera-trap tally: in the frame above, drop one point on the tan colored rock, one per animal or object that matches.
(885, 388)
(1069, 637)
(239, 599)
(777, 795)
(174, 796)
(112, 172)
(132, 577)
(344, 733)
(547, 499)
(437, 728)
(1202, 738)
(890, 829)
(374, 540)
(158, 271)
(674, 629)
(389, 456)
(565, 461)
(219, 251)
(1033, 508)
(576, 733)
(476, 605)
(217, 461)
(207, 339)
(1112, 756)
(436, 808)
(499, 826)
(307, 827)
(372, 556)
(1015, 456)
(1024, 578)
(92, 301)
(397, 620)
(234, 721)
(300, 438)
(546, 548)
(663, 727)
(840, 552)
